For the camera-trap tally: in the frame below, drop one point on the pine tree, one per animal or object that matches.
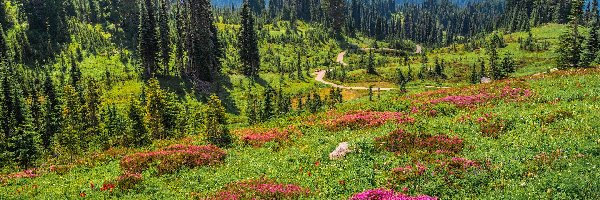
(3, 45)
(592, 45)
(474, 75)
(570, 42)
(401, 79)
(137, 133)
(155, 105)
(508, 65)
(216, 123)
(112, 131)
(371, 64)
(52, 111)
(200, 42)
(249, 43)
(493, 60)
(148, 40)
(67, 142)
(267, 111)
(337, 14)
(90, 110)
(165, 36)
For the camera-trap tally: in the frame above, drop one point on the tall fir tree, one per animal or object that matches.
(165, 36)
(137, 133)
(148, 40)
(216, 123)
(249, 43)
(200, 42)
(592, 45)
(52, 112)
(569, 51)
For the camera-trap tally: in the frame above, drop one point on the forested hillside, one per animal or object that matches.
(299, 99)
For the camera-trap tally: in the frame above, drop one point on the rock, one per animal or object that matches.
(486, 80)
(340, 152)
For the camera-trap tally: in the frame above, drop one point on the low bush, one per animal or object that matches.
(366, 119)
(173, 158)
(259, 189)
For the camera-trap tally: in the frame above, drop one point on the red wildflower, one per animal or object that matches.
(82, 194)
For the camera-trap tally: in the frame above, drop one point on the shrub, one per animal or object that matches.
(385, 194)
(258, 137)
(173, 158)
(366, 119)
(408, 172)
(129, 180)
(492, 126)
(260, 189)
(402, 142)
(456, 166)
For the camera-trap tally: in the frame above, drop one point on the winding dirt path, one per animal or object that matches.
(320, 75)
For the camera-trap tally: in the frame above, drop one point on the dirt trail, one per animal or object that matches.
(340, 59)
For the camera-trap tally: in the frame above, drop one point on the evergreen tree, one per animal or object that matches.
(249, 43)
(592, 45)
(112, 128)
(371, 64)
(155, 105)
(68, 142)
(474, 75)
(52, 111)
(4, 56)
(148, 40)
(493, 60)
(337, 14)
(508, 65)
(267, 107)
(200, 42)
(256, 6)
(570, 42)
(165, 36)
(137, 133)
(216, 123)
(401, 79)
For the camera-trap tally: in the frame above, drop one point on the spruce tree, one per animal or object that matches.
(201, 43)
(371, 64)
(67, 142)
(216, 123)
(592, 45)
(148, 40)
(137, 133)
(401, 79)
(337, 14)
(570, 42)
(165, 36)
(474, 75)
(248, 43)
(155, 106)
(494, 67)
(52, 112)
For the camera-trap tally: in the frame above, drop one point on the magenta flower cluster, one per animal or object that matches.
(30, 173)
(507, 93)
(385, 194)
(172, 158)
(257, 138)
(366, 119)
(260, 189)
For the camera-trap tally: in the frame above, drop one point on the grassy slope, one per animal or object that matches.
(514, 174)
(459, 61)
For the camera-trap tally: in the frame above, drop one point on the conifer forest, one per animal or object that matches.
(300, 99)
